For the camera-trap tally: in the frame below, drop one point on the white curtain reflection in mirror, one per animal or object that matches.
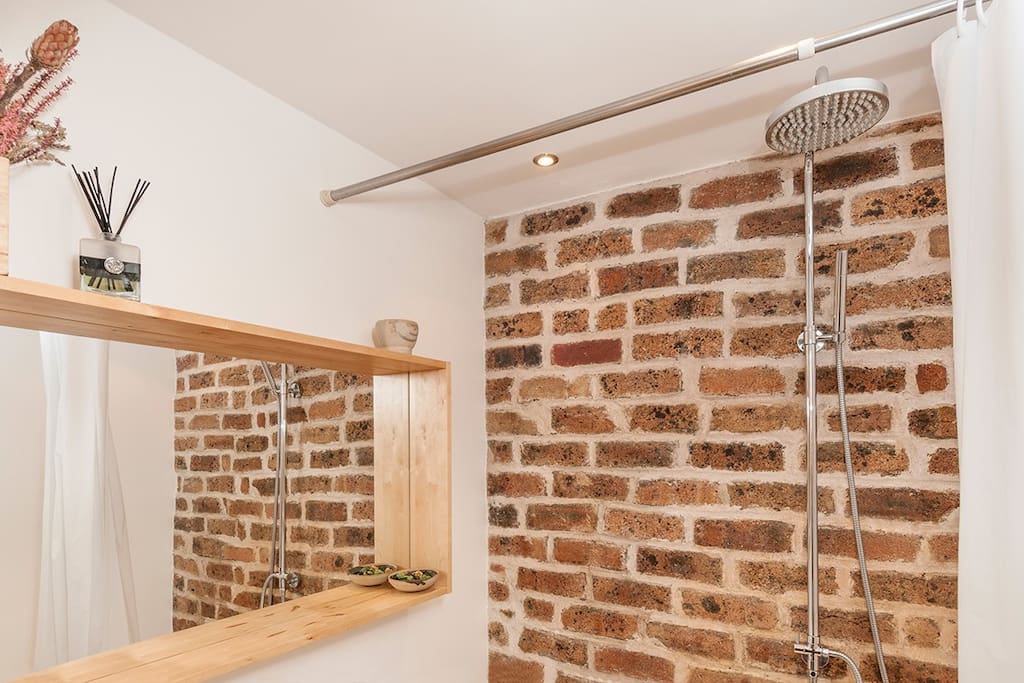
(86, 591)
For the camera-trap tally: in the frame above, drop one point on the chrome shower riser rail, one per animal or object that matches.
(763, 62)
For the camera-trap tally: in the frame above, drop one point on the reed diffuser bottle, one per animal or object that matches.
(111, 267)
(108, 266)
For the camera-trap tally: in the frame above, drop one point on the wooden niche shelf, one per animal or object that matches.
(412, 479)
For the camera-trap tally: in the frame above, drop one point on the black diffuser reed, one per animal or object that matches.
(102, 207)
(108, 266)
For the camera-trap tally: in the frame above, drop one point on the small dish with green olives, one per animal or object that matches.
(370, 574)
(413, 580)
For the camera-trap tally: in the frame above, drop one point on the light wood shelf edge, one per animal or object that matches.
(41, 306)
(215, 648)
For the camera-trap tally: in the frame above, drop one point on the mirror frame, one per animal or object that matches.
(412, 474)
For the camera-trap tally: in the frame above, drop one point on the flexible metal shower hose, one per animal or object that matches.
(855, 514)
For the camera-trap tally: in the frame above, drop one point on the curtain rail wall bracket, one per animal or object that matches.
(803, 49)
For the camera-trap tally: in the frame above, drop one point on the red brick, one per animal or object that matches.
(504, 516)
(939, 590)
(636, 665)
(498, 390)
(507, 357)
(921, 632)
(913, 505)
(595, 246)
(494, 231)
(903, 669)
(763, 536)
(663, 492)
(677, 307)
(741, 381)
(593, 486)
(849, 170)
(789, 220)
(757, 418)
(515, 484)
(497, 295)
(944, 461)
(943, 548)
(556, 647)
(848, 625)
(922, 292)
(917, 200)
(927, 153)
(931, 377)
(644, 202)
(776, 495)
(565, 454)
(933, 423)
(569, 322)
(709, 676)
(738, 265)
(869, 457)
(938, 242)
(699, 343)
(599, 622)
(542, 610)
(865, 255)
(557, 220)
(635, 454)
(776, 341)
(508, 422)
(661, 418)
(562, 288)
(739, 610)
(633, 594)
(739, 189)
(859, 380)
(515, 326)
(869, 418)
(878, 545)
(565, 584)
(772, 304)
(587, 352)
(497, 591)
(561, 517)
(589, 553)
(643, 525)
(641, 383)
(677, 235)
(680, 564)
(505, 669)
(737, 456)
(326, 511)
(636, 277)
(611, 317)
(581, 420)
(496, 633)
(693, 641)
(537, 388)
(779, 577)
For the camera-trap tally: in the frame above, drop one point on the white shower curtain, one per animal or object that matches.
(86, 589)
(979, 69)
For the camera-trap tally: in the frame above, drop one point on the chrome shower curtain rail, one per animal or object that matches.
(763, 62)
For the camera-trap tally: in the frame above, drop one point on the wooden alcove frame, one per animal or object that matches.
(412, 479)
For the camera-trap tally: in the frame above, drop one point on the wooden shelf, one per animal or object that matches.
(216, 648)
(39, 306)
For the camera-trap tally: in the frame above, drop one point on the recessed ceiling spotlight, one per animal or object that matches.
(545, 160)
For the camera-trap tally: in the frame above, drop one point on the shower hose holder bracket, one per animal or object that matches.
(820, 339)
(823, 654)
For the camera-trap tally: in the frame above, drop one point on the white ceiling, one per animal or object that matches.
(413, 79)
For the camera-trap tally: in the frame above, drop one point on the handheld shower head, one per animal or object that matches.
(827, 114)
(839, 309)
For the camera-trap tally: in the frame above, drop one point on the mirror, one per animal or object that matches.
(193, 445)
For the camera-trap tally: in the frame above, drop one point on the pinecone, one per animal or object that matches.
(54, 46)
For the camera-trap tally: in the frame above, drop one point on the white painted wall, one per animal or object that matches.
(232, 226)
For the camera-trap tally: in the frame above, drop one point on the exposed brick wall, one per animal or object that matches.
(645, 417)
(226, 454)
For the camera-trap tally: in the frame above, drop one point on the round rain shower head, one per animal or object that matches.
(826, 115)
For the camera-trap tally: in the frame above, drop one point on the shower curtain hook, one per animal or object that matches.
(961, 16)
(979, 9)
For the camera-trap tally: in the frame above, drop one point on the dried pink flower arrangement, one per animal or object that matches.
(28, 89)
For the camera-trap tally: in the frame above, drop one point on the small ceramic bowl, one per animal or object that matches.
(364, 574)
(413, 580)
